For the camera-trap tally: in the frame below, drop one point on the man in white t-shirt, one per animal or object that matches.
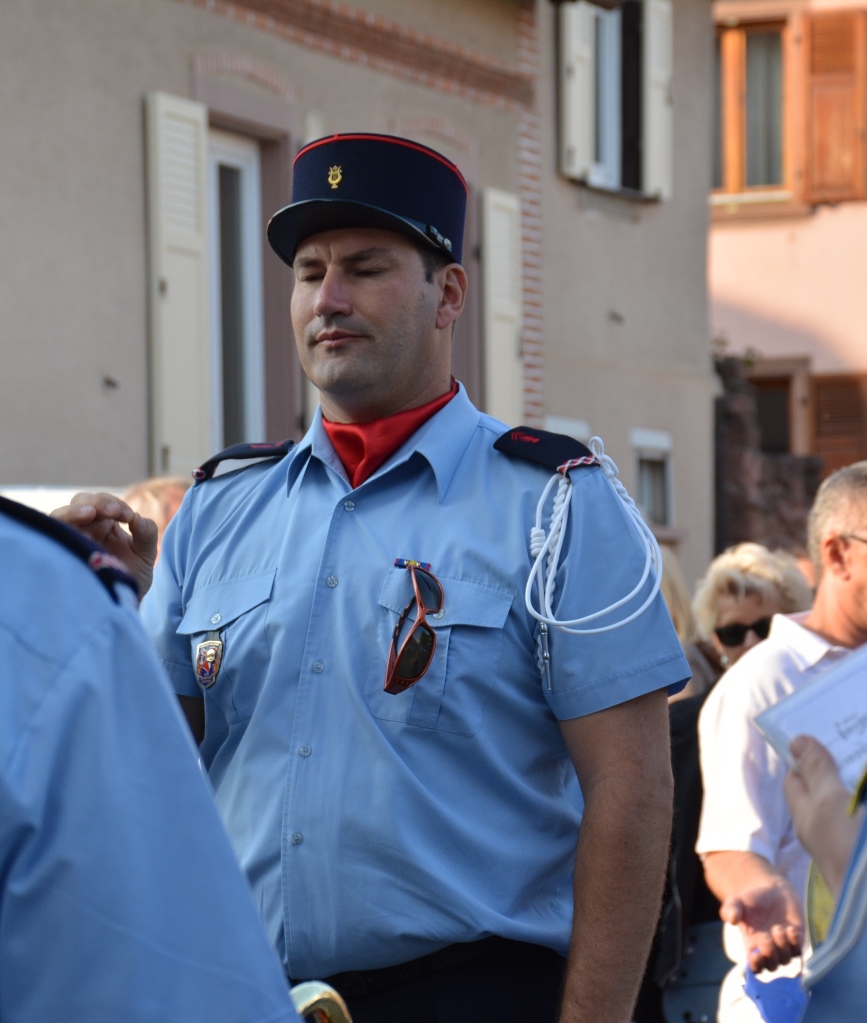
(752, 859)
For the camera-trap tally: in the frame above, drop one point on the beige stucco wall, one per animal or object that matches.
(626, 331)
(73, 210)
(72, 196)
(794, 287)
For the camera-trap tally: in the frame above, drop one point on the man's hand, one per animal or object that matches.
(770, 921)
(101, 517)
(819, 803)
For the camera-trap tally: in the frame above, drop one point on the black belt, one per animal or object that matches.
(353, 983)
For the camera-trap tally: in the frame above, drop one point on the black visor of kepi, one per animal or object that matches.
(363, 180)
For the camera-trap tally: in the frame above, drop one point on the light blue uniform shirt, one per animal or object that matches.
(376, 828)
(120, 899)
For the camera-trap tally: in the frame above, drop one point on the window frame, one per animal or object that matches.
(654, 446)
(733, 120)
(638, 162)
(240, 153)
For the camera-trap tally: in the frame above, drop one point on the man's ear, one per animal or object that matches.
(452, 281)
(835, 556)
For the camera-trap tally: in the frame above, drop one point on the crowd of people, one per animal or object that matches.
(756, 631)
(428, 672)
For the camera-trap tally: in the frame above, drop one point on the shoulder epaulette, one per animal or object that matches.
(276, 450)
(108, 569)
(555, 451)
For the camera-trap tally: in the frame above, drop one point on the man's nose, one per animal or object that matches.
(332, 296)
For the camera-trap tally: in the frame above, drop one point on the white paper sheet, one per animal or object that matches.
(833, 709)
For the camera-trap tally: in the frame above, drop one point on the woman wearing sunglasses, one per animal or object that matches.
(742, 590)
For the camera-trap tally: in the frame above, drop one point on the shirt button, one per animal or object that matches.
(216, 619)
(331, 582)
(305, 751)
(439, 614)
(349, 505)
(297, 838)
(318, 666)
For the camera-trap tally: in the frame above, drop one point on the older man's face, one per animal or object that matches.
(365, 322)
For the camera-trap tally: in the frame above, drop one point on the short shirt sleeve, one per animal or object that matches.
(604, 561)
(744, 804)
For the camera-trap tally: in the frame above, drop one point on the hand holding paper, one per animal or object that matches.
(832, 709)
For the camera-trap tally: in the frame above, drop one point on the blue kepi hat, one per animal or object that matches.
(363, 180)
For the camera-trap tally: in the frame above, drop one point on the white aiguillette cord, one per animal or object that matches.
(546, 550)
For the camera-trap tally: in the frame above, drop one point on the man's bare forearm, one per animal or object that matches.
(731, 871)
(619, 876)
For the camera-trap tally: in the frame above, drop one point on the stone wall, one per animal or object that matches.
(759, 496)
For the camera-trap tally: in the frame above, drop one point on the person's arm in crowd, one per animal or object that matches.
(100, 517)
(760, 902)
(819, 802)
(623, 763)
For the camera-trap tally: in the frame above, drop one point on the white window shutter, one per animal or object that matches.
(501, 297)
(181, 357)
(577, 78)
(657, 129)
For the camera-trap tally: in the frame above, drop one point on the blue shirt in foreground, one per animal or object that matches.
(120, 897)
(376, 828)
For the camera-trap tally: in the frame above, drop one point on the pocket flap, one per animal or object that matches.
(225, 601)
(464, 602)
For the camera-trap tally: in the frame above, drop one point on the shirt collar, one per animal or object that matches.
(441, 440)
(806, 646)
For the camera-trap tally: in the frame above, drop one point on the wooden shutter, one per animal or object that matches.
(180, 348)
(657, 123)
(501, 298)
(577, 88)
(836, 106)
(840, 420)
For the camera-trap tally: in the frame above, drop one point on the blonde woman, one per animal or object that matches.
(743, 588)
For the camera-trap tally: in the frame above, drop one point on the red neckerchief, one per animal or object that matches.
(363, 447)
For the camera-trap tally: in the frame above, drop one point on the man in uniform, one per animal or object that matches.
(120, 896)
(396, 773)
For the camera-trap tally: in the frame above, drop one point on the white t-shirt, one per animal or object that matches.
(744, 804)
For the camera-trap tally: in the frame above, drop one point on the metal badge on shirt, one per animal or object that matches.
(209, 657)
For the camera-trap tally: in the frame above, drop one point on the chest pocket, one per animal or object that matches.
(236, 609)
(452, 694)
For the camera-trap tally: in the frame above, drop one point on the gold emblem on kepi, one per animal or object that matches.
(209, 656)
(335, 176)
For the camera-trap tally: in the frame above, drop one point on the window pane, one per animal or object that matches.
(231, 304)
(653, 490)
(764, 109)
(717, 115)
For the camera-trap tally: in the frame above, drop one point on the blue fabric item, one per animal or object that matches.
(119, 895)
(840, 996)
(782, 1000)
(368, 180)
(374, 828)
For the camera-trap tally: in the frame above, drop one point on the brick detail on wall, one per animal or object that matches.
(438, 127)
(354, 34)
(530, 190)
(240, 65)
